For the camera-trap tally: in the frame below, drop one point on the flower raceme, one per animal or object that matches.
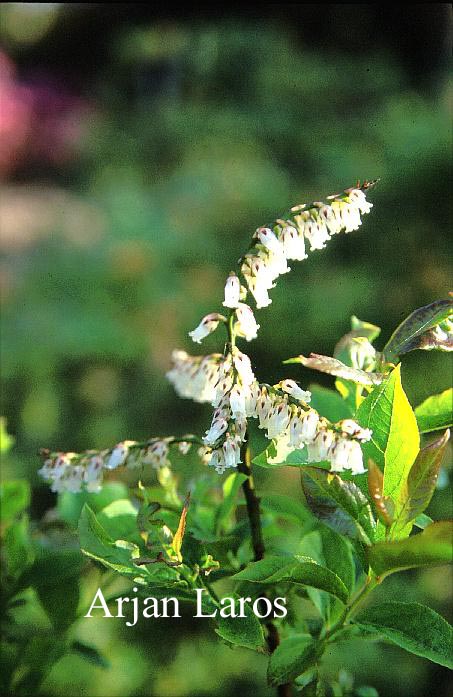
(74, 472)
(227, 381)
(282, 411)
(272, 248)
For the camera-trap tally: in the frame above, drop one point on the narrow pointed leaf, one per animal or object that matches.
(414, 627)
(332, 366)
(179, 534)
(436, 412)
(431, 547)
(291, 658)
(422, 479)
(406, 336)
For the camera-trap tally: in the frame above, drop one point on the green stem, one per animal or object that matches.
(350, 609)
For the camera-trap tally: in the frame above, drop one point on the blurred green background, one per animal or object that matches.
(140, 150)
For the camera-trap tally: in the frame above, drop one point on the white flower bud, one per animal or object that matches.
(237, 401)
(207, 325)
(218, 427)
(293, 389)
(351, 428)
(293, 243)
(92, 475)
(278, 420)
(231, 452)
(243, 367)
(118, 455)
(232, 291)
(246, 325)
(269, 240)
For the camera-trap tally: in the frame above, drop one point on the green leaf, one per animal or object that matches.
(436, 412)
(299, 570)
(292, 657)
(332, 366)
(408, 335)
(55, 577)
(278, 454)
(18, 547)
(231, 486)
(90, 654)
(119, 519)
(395, 439)
(328, 403)
(337, 554)
(431, 547)
(60, 602)
(97, 544)
(414, 627)
(286, 506)
(70, 505)
(242, 631)
(338, 503)
(53, 567)
(14, 498)
(422, 480)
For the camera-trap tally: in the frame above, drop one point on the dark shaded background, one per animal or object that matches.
(141, 148)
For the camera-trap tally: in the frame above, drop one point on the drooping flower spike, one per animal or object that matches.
(228, 381)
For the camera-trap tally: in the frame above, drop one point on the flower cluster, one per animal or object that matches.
(74, 472)
(195, 377)
(227, 381)
(287, 240)
(272, 248)
(283, 412)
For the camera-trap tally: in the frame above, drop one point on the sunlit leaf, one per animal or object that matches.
(6, 440)
(97, 544)
(179, 534)
(395, 438)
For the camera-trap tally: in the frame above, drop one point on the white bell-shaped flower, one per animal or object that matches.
(232, 291)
